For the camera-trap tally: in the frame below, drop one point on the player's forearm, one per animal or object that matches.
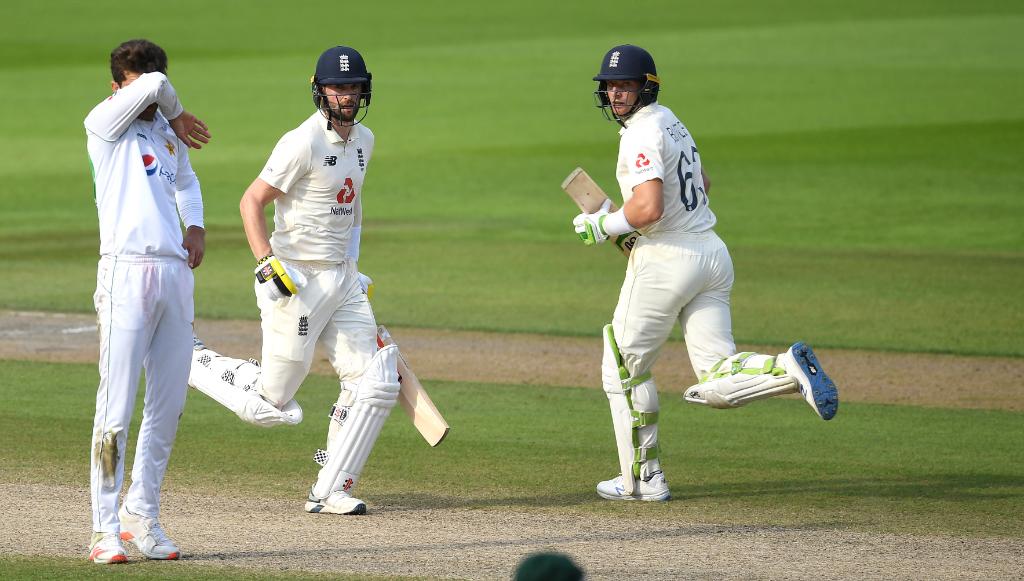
(255, 225)
(111, 118)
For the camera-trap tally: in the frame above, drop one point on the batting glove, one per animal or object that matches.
(590, 227)
(277, 281)
(366, 285)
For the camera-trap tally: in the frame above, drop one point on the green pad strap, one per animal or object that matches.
(641, 419)
(610, 336)
(737, 364)
(769, 368)
(641, 455)
(631, 383)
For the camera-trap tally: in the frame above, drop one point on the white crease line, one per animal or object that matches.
(76, 330)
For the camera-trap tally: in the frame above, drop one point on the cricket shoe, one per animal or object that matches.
(815, 385)
(147, 534)
(197, 343)
(654, 489)
(338, 502)
(106, 549)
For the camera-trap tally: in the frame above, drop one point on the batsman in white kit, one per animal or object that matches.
(308, 286)
(138, 142)
(678, 270)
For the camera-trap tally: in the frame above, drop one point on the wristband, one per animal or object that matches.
(615, 224)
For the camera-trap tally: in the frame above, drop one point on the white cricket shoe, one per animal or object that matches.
(147, 534)
(655, 489)
(815, 385)
(338, 502)
(106, 549)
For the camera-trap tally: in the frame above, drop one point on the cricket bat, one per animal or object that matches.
(588, 197)
(414, 399)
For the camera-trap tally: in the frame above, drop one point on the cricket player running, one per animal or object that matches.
(308, 286)
(679, 270)
(138, 140)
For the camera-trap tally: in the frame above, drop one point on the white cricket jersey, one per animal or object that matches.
(321, 176)
(656, 145)
(139, 169)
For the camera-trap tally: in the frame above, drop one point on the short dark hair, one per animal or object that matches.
(137, 56)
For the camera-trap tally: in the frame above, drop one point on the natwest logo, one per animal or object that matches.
(641, 161)
(347, 193)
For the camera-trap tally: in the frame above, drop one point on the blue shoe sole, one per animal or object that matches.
(823, 390)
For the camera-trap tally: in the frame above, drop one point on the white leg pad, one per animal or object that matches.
(234, 384)
(740, 379)
(634, 406)
(376, 393)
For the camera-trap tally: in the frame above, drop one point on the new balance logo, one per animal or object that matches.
(331, 160)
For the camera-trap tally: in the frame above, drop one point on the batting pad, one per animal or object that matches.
(220, 378)
(634, 407)
(740, 379)
(376, 394)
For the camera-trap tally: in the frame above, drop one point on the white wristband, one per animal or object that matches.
(615, 224)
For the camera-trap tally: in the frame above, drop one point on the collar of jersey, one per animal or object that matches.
(645, 111)
(333, 136)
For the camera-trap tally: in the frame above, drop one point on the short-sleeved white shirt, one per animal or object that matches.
(321, 176)
(655, 144)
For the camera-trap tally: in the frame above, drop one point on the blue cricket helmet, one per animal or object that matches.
(341, 65)
(627, 62)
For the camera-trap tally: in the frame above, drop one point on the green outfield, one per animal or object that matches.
(865, 159)
(867, 175)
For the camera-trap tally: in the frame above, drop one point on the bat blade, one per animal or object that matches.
(588, 197)
(414, 399)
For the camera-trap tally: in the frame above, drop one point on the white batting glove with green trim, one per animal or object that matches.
(590, 227)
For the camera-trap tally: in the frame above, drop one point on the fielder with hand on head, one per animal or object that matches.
(308, 286)
(138, 140)
(679, 270)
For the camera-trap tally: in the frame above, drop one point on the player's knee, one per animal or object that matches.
(379, 384)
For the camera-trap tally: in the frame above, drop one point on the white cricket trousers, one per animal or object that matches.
(684, 277)
(331, 310)
(145, 311)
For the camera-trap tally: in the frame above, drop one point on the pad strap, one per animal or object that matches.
(734, 365)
